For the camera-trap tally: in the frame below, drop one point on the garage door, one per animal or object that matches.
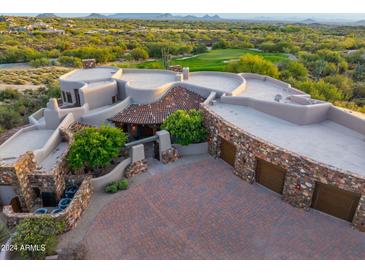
(270, 176)
(334, 201)
(228, 152)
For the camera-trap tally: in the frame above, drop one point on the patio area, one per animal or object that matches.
(200, 210)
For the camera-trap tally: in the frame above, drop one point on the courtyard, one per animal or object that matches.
(200, 210)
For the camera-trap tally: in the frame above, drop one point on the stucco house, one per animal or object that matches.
(308, 151)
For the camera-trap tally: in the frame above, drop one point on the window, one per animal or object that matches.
(114, 99)
(63, 96)
(69, 97)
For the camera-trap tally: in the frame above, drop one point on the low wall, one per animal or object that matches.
(71, 215)
(298, 114)
(146, 95)
(241, 81)
(274, 81)
(54, 139)
(302, 173)
(346, 119)
(96, 118)
(192, 149)
(36, 116)
(99, 95)
(115, 175)
(210, 98)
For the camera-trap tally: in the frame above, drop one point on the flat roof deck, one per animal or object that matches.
(325, 142)
(215, 82)
(27, 141)
(263, 90)
(50, 161)
(147, 79)
(91, 74)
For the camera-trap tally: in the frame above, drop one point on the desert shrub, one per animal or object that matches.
(36, 238)
(122, 184)
(139, 54)
(186, 127)
(114, 187)
(95, 147)
(111, 188)
(4, 234)
(254, 64)
(70, 61)
(40, 62)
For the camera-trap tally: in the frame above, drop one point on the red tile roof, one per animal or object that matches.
(157, 112)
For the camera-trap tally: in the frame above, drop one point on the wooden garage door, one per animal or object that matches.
(334, 201)
(270, 176)
(228, 152)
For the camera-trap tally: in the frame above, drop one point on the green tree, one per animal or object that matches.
(40, 233)
(95, 147)
(186, 127)
(293, 70)
(254, 64)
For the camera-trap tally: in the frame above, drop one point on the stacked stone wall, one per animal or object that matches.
(302, 173)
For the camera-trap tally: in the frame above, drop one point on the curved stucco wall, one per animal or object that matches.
(236, 80)
(115, 175)
(100, 95)
(287, 87)
(298, 114)
(346, 119)
(96, 118)
(54, 139)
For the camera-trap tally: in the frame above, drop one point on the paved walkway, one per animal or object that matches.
(201, 210)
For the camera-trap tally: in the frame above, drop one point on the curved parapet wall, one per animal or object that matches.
(114, 175)
(98, 94)
(220, 82)
(287, 87)
(298, 114)
(54, 139)
(98, 117)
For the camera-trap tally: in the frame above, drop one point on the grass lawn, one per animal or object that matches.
(215, 59)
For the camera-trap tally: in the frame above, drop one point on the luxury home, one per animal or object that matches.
(308, 151)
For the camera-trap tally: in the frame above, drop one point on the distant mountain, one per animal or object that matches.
(360, 23)
(47, 15)
(309, 21)
(162, 16)
(96, 15)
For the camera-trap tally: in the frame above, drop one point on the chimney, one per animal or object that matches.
(88, 63)
(186, 73)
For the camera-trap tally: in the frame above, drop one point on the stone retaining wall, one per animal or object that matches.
(136, 168)
(16, 174)
(170, 155)
(301, 173)
(71, 215)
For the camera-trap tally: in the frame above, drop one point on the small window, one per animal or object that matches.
(69, 97)
(37, 192)
(114, 99)
(63, 96)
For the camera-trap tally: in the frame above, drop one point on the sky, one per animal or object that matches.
(277, 16)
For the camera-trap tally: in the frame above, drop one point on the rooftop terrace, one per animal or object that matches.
(147, 79)
(90, 74)
(326, 142)
(26, 141)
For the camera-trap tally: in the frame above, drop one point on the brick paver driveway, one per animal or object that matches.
(203, 211)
